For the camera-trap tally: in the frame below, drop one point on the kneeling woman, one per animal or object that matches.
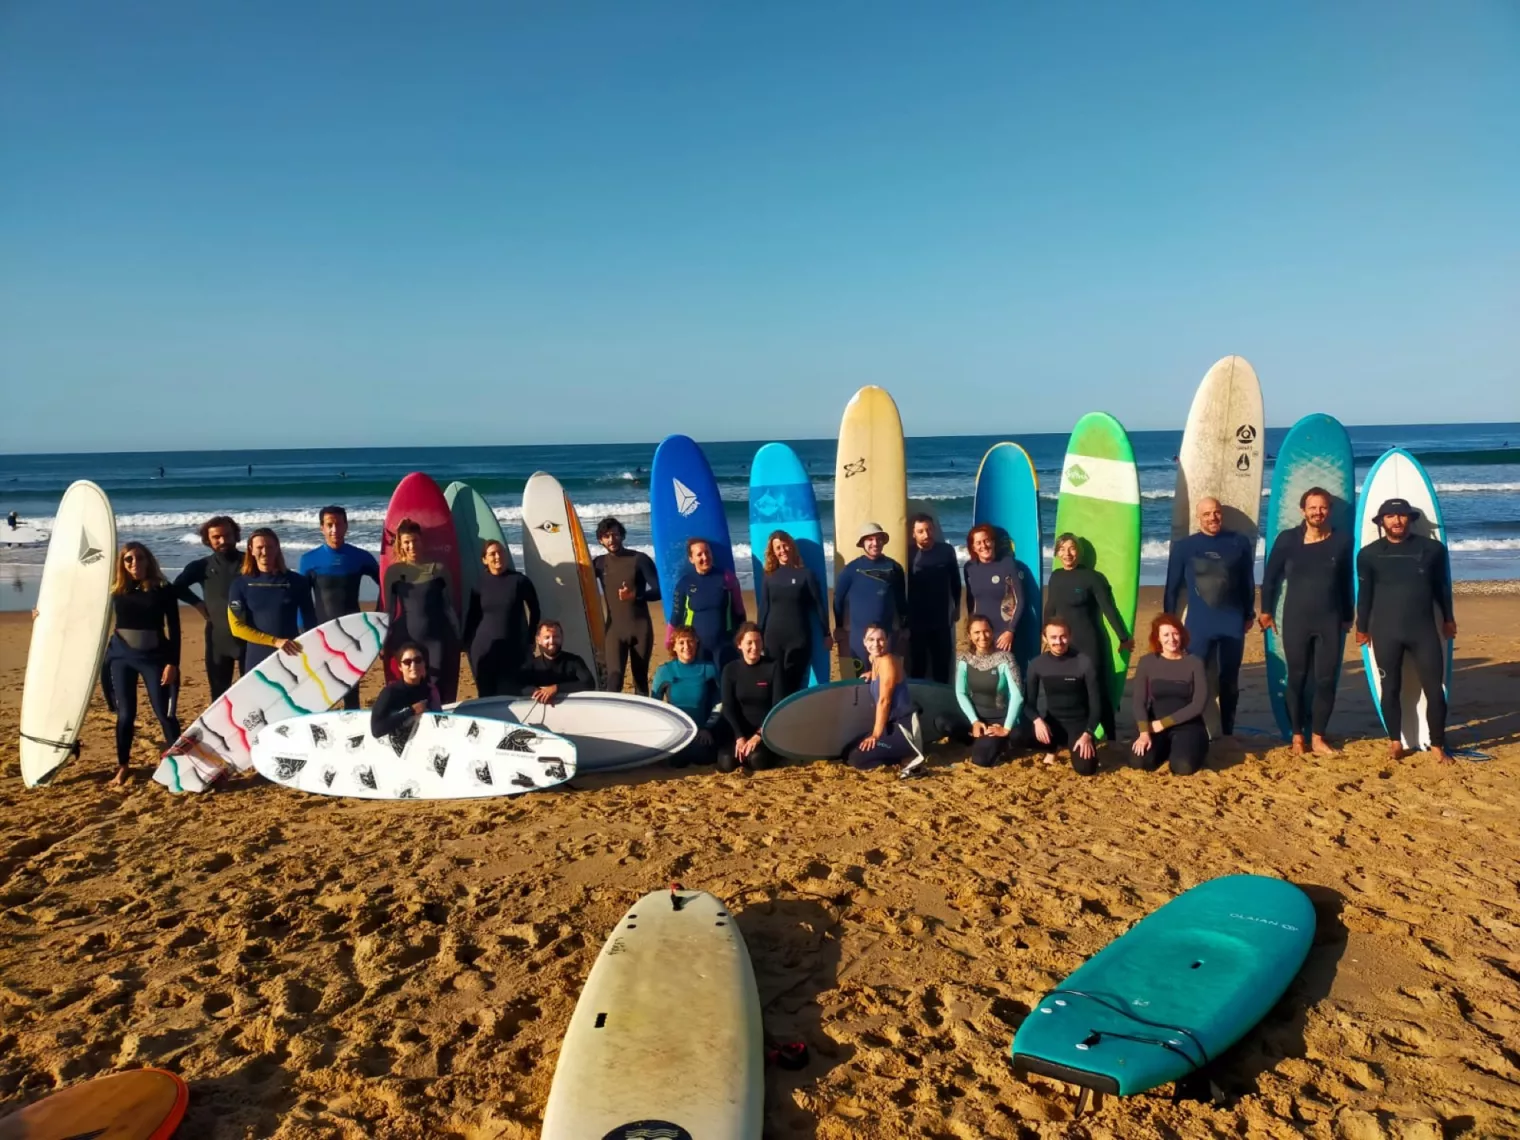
(751, 688)
(988, 691)
(1063, 694)
(1168, 697)
(401, 702)
(894, 737)
(692, 686)
(146, 645)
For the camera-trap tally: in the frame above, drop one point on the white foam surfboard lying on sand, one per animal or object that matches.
(610, 731)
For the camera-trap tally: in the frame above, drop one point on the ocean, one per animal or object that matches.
(1476, 469)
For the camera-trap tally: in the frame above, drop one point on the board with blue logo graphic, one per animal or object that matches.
(781, 498)
(684, 503)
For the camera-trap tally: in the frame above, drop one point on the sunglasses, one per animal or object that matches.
(413, 661)
(128, 559)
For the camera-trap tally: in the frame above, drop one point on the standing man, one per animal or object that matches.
(335, 570)
(629, 583)
(933, 602)
(711, 603)
(1403, 580)
(870, 590)
(214, 575)
(1313, 563)
(1218, 569)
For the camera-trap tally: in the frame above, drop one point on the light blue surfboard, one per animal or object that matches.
(781, 498)
(1183, 985)
(1008, 497)
(1315, 453)
(684, 503)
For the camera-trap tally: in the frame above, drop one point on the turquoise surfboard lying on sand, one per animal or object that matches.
(1187, 982)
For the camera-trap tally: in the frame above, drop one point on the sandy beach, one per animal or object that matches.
(318, 967)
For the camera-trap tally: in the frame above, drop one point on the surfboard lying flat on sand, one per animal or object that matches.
(1223, 446)
(684, 503)
(1316, 453)
(333, 659)
(1399, 475)
(666, 1040)
(474, 525)
(821, 722)
(610, 731)
(144, 1104)
(69, 635)
(870, 477)
(781, 498)
(442, 756)
(1183, 985)
(1008, 497)
(558, 563)
(23, 534)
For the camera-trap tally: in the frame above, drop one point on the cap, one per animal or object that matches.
(1395, 507)
(868, 530)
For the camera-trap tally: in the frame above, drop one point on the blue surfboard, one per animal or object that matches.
(684, 503)
(1316, 453)
(1008, 497)
(781, 498)
(1187, 982)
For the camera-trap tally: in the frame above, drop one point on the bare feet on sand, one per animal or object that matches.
(1441, 755)
(1395, 750)
(119, 780)
(1298, 744)
(1322, 747)
(1050, 759)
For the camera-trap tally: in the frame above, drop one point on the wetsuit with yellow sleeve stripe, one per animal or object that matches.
(265, 608)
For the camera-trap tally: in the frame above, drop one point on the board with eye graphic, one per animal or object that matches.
(442, 756)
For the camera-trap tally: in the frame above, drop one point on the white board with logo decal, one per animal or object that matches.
(558, 563)
(1223, 450)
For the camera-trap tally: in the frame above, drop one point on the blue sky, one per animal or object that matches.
(348, 223)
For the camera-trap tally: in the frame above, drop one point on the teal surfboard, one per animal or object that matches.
(1316, 453)
(1008, 497)
(474, 525)
(1187, 982)
(781, 498)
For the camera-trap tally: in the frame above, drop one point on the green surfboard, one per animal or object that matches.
(1100, 503)
(475, 525)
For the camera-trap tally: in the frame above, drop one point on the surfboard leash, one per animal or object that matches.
(1096, 1035)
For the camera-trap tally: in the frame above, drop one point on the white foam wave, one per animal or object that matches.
(1477, 488)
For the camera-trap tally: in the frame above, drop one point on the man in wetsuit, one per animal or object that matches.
(629, 583)
(710, 602)
(935, 599)
(1213, 573)
(552, 673)
(1403, 580)
(870, 590)
(214, 574)
(335, 570)
(1313, 564)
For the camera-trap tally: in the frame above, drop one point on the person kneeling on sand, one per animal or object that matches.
(692, 686)
(894, 736)
(1062, 692)
(1168, 696)
(400, 703)
(988, 691)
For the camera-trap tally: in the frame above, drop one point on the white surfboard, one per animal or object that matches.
(1223, 450)
(69, 634)
(333, 659)
(666, 1039)
(558, 563)
(443, 756)
(610, 731)
(22, 534)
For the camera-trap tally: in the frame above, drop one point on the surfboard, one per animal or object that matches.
(69, 634)
(442, 756)
(22, 534)
(1316, 452)
(474, 525)
(870, 477)
(333, 659)
(418, 498)
(143, 1104)
(610, 731)
(666, 1040)
(557, 561)
(821, 722)
(1008, 497)
(1223, 446)
(1099, 502)
(1399, 475)
(684, 503)
(781, 498)
(1183, 985)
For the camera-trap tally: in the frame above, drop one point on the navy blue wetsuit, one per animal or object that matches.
(335, 577)
(1218, 573)
(712, 604)
(869, 591)
(262, 608)
(146, 640)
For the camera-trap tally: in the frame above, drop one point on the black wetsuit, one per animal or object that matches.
(214, 574)
(749, 693)
(630, 633)
(392, 712)
(499, 625)
(146, 639)
(1215, 577)
(794, 609)
(1173, 693)
(567, 672)
(1063, 691)
(1400, 586)
(1315, 610)
(1082, 599)
(419, 597)
(934, 598)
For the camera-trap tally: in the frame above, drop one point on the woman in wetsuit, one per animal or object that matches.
(400, 703)
(992, 585)
(499, 623)
(988, 690)
(420, 599)
(1080, 596)
(794, 611)
(1168, 695)
(268, 603)
(893, 738)
(145, 644)
(750, 690)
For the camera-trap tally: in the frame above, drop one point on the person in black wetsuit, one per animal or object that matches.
(335, 570)
(794, 613)
(994, 587)
(1313, 563)
(1403, 579)
(214, 574)
(1061, 694)
(629, 583)
(1168, 695)
(145, 644)
(551, 673)
(499, 621)
(749, 690)
(934, 601)
(1081, 597)
(401, 702)
(420, 598)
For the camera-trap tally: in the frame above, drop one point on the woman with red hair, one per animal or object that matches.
(1167, 697)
